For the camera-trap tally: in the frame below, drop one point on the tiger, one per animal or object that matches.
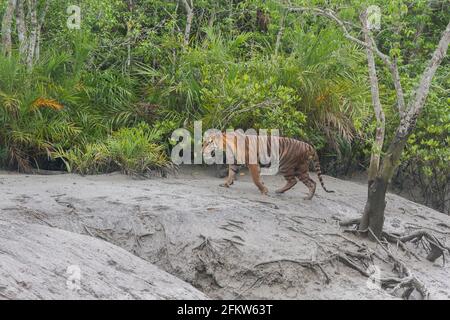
(294, 159)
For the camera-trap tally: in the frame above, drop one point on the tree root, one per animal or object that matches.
(417, 227)
(361, 257)
(402, 285)
(432, 244)
(407, 280)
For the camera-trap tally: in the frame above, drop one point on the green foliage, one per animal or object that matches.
(30, 114)
(88, 159)
(60, 105)
(427, 157)
(133, 151)
(311, 94)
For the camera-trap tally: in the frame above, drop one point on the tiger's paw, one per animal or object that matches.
(225, 185)
(265, 191)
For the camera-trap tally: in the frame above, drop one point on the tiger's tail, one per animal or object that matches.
(318, 170)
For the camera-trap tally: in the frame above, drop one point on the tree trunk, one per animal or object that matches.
(39, 31)
(32, 4)
(189, 7)
(280, 33)
(37, 49)
(212, 18)
(187, 33)
(6, 27)
(373, 216)
(21, 29)
(129, 35)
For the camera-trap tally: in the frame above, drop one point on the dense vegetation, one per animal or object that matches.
(108, 96)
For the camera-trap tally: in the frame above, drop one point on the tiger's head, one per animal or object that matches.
(212, 142)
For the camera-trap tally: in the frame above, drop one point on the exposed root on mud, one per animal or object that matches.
(362, 260)
(430, 242)
(402, 286)
(358, 256)
(407, 281)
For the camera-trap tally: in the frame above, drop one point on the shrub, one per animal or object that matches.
(133, 151)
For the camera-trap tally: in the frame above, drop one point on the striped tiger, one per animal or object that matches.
(294, 159)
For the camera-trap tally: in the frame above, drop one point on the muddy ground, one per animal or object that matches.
(226, 243)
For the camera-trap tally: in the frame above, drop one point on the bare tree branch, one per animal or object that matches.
(332, 15)
(379, 113)
(371, 45)
(422, 91)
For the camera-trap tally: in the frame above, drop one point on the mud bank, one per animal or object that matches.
(227, 243)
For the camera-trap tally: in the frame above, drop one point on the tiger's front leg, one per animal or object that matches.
(256, 176)
(232, 171)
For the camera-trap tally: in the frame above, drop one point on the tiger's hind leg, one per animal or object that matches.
(291, 182)
(307, 181)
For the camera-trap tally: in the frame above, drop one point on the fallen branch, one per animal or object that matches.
(350, 222)
(417, 227)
